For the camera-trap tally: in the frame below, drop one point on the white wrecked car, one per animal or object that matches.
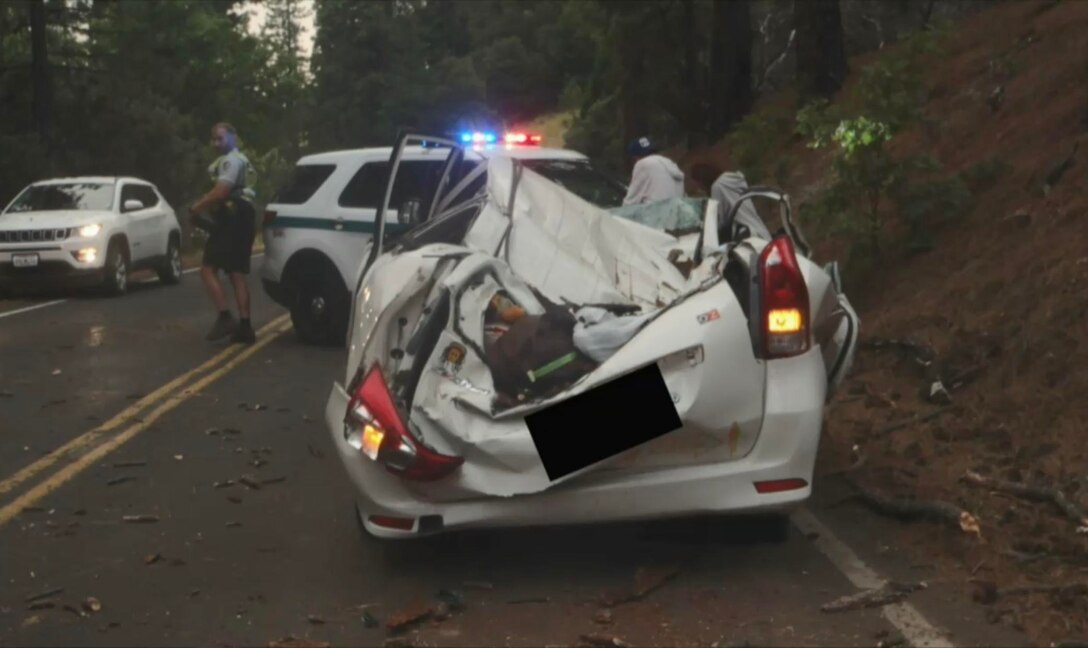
(523, 357)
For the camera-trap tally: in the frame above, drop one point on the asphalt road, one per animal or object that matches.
(118, 407)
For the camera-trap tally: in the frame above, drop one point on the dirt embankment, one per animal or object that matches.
(1001, 305)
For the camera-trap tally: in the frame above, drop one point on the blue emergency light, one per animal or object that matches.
(487, 137)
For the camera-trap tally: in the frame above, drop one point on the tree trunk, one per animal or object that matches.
(695, 123)
(730, 65)
(631, 94)
(821, 55)
(39, 67)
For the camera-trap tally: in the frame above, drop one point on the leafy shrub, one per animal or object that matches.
(866, 178)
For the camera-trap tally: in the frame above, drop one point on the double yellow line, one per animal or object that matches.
(167, 397)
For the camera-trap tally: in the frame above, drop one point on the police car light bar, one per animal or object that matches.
(486, 137)
(522, 138)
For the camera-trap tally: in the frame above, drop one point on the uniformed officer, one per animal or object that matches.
(232, 229)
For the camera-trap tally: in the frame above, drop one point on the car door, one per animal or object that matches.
(157, 220)
(355, 209)
(423, 177)
(138, 223)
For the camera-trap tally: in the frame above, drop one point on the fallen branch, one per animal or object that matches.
(907, 422)
(909, 509)
(1036, 493)
(923, 355)
(891, 592)
(965, 377)
(647, 579)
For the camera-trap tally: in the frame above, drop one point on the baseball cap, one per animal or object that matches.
(641, 146)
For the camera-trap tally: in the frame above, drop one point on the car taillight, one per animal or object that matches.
(378, 431)
(784, 301)
(269, 216)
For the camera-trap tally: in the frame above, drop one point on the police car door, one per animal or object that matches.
(400, 212)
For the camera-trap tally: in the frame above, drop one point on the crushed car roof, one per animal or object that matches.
(503, 150)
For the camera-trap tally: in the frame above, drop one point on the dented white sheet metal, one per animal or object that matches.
(570, 249)
(572, 252)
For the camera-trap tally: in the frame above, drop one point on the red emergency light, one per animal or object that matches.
(522, 138)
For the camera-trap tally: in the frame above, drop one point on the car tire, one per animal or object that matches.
(115, 270)
(169, 270)
(320, 309)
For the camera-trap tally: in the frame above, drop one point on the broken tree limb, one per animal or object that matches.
(647, 579)
(907, 422)
(1036, 493)
(910, 509)
(891, 592)
(923, 355)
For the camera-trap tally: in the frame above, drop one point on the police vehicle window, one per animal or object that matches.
(69, 196)
(304, 183)
(415, 179)
(146, 195)
(579, 177)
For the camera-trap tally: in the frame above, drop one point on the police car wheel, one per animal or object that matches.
(319, 312)
(170, 270)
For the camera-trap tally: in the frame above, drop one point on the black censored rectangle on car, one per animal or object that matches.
(604, 421)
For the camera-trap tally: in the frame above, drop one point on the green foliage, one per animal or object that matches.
(893, 89)
(867, 179)
(598, 131)
(817, 121)
(137, 84)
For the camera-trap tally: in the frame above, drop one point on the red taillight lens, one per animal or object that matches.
(390, 522)
(377, 429)
(269, 216)
(780, 485)
(784, 297)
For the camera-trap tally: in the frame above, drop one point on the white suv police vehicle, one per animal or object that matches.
(317, 228)
(88, 230)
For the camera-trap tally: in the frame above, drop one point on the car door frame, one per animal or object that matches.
(376, 244)
(137, 225)
(158, 232)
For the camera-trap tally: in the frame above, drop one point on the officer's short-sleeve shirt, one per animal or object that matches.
(232, 169)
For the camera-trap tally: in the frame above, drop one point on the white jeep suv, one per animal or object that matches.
(318, 227)
(88, 231)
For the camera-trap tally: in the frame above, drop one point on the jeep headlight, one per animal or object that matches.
(88, 231)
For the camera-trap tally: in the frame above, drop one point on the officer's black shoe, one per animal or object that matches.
(224, 326)
(244, 333)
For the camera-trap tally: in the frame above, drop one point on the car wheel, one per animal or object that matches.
(319, 313)
(115, 280)
(170, 270)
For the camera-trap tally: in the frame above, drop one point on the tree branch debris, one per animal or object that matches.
(891, 592)
(910, 509)
(1035, 493)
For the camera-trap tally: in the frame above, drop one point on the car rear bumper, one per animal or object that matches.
(786, 449)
